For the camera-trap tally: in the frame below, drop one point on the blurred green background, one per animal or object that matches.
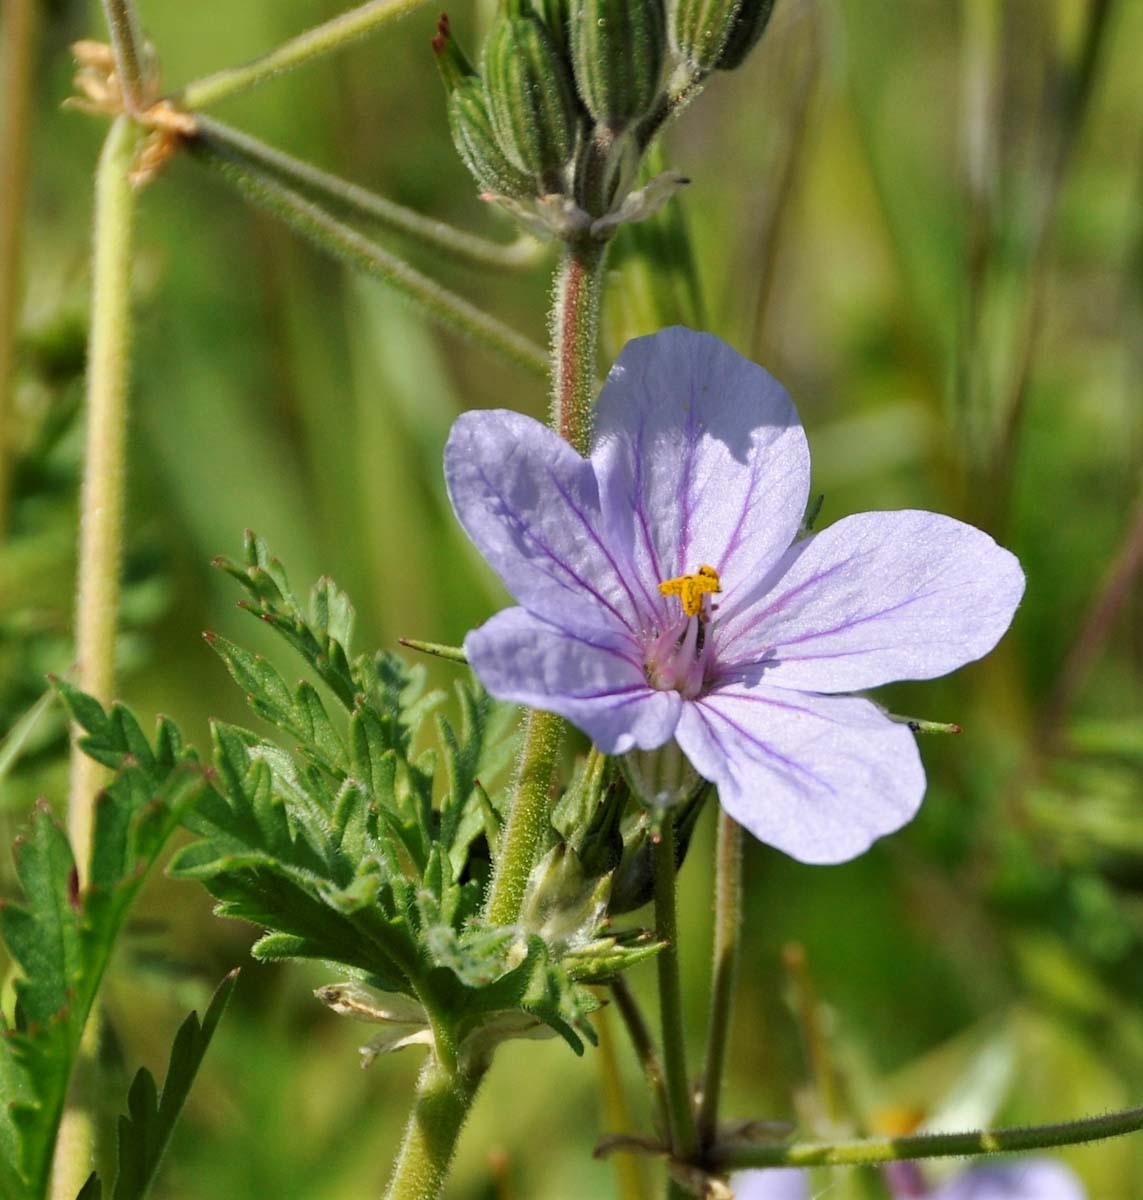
(926, 218)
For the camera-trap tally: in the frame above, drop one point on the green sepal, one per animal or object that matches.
(746, 30)
(717, 34)
(619, 48)
(557, 16)
(531, 100)
(470, 124)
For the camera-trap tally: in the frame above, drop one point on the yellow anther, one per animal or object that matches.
(690, 589)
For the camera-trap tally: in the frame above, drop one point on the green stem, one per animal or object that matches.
(644, 1046)
(529, 817)
(101, 502)
(442, 1104)
(323, 39)
(868, 1151)
(345, 243)
(727, 930)
(355, 201)
(682, 1123)
(575, 338)
(20, 24)
(128, 47)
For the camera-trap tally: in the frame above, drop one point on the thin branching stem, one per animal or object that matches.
(16, 74)
(643, 1043)
(345, 243)
(130, 52)
(682, 1123)
(323, 39)
(101, 500)
(351, 200)
(869, 1151)
(727, 936)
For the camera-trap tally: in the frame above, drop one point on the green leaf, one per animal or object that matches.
(61, 939)
(146, 1129)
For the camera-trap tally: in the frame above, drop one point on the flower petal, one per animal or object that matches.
(1034, 1179)
(596, 679)
(531, 505)
(819, 777)
(700, 458)
(874, 598)
(779, 1183)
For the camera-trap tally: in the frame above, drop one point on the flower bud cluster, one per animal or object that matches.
(570, 93)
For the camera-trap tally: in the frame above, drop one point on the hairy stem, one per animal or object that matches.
(16, 70)
(354, 201)
(682, 1123)
(442, 1104)
(644, 1045)
(575, 338)
(528, 818)
(101, 500)
(128, 48)
(345, 243)
(727, 930)
(868, 1151)
(322, 39)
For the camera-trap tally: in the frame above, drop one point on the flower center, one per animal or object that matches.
(690, 589)
(677, 659)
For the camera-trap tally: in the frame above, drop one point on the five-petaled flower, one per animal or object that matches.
(1032, 1179)
(664, 592)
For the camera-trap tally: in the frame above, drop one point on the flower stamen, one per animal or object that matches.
(690, 589)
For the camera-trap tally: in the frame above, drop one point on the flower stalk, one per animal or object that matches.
(354, 201)
(575, 339)
(870, 1151)
(345, 243)
(727, 929)
(644, 1046)
(128, 47)
(101, 501)
(323, 39)
(684, 1139)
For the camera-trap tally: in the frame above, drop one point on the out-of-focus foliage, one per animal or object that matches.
(925, 218)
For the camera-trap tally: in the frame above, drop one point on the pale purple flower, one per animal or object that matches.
(1031, 1179)
(699, 464)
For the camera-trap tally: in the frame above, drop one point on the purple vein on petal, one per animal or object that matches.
(603, 648)
(689, 434)
(794, 767)
(593, 533)
(777, 605)
(526, 530)
(640, 511)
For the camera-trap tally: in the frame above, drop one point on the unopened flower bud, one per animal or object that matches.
(601, 846)
(618, 50)
(471, 125)
(530, 96)
(718, 34)
(557, 17)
